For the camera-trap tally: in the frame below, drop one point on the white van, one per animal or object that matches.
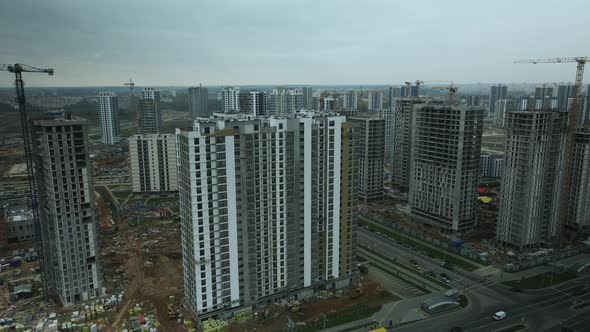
(499, 315)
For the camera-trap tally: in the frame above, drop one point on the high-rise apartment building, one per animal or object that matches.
(371, 134)
(285, 102)
(528, 214)
(579, 209)
(501, 107)
(491, 166)
(307, 97)
(153, 163)
(445, 166)
(394, 92)
(402, 138)
(328, 103)
(230, 97)
(266, 208)
(71, 260)
(198, 101)
(387, 115)
(350, 100)
(254, 102)
(497, 92)
(149, 117)
(375, 100)
(108, 110)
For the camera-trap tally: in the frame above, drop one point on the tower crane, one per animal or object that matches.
(130, 84)
(452, 90)
(18, 69)
(570, 133)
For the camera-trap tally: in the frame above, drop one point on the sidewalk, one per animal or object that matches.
(398, 312)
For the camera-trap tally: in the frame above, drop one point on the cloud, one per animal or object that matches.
(283, 42)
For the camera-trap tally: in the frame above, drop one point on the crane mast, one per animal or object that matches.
(18, 69)
(572, 121)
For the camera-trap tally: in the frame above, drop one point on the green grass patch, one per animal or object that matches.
(121, 195)
(128, 132)
(339, 318)
(398, 276)
(513, 328)
(440, 254)
(541, 280)
(158, 200)
(422, 274)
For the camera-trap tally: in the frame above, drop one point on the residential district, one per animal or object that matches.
(416, 207)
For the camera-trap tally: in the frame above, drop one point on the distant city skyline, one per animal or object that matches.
(108, 42)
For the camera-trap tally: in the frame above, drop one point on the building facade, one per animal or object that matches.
(371, 133)
(402, 137)
(491, 166)
(20, 226)
(198, 101)
(230, 97)
(307, 92)
(350, 100)
(445, 166)
(266, 209)
(497, 92)
(149, 117)
(529, 196)
(375, 100)
(285, 102)
(108, 110)
(387, 115)
(579, 209)
(71, 260)
(153, 163)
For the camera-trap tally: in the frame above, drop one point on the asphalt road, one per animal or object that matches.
(541, 310)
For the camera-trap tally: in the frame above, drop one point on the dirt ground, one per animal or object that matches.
(371, 293)
(126, 252)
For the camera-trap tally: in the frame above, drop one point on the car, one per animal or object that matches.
(456, 329)
(499, 315)
(432, 274)
(516, 289)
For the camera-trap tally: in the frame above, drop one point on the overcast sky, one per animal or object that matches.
(93, 43)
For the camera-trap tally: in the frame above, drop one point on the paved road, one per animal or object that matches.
(540, 310)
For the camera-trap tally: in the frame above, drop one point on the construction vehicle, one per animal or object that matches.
(572, 121)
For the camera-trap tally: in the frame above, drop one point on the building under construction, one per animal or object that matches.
(529, 198)
(401, 145)
(445, 166)
(579, 209)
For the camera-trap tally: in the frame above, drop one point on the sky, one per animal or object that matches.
(217, 42)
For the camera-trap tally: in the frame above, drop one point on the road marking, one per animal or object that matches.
(388, 312)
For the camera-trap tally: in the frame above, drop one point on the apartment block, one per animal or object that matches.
(71, 260)
(402, 138)
(528, 214)
(198, 101)
(371, 133)
(153, 163)
(579, 209)
(497, 92)
(266, 209)
(445, 166)
(149, 117)
(285, 102)
(491, 166)
(307, 98)
(387, 115)
(350, 100)
(375, 100)
(230, 97)
(108, 110)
